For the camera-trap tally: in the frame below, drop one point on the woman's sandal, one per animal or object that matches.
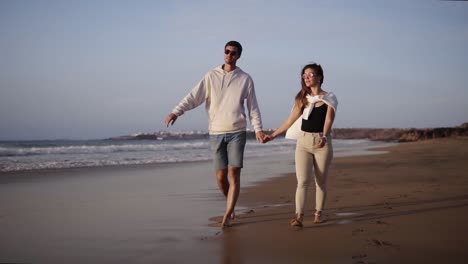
(317, 219)
(296, 222)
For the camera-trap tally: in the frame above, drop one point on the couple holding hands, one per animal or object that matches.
(225, 90)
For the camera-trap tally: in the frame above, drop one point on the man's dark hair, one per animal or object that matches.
(235, 44)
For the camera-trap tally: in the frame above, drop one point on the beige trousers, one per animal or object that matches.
(312, 161)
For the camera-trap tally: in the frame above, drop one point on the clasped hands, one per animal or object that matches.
(262, 137)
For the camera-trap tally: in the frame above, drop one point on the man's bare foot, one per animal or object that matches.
(226, 222)
(233, 215)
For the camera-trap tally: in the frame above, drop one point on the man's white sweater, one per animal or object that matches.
(224, 94)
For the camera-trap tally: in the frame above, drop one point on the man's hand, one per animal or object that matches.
(260, 136)
(170, 119)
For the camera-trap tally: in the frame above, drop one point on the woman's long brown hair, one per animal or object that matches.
(301, 100)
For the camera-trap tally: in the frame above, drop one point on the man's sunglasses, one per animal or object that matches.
(231, 52)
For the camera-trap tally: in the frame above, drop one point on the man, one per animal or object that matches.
(224, 90)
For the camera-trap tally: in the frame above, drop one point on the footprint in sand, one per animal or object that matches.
(359, 256)
(357, 231)
(360, 259)
(381, 243)
(363, 262)
(379, 222)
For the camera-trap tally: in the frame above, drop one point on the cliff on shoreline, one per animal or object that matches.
(383, 134)
(400, 134)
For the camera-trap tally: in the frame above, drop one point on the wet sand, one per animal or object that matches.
(409, 205)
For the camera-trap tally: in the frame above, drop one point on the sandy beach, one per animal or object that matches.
(409, 205)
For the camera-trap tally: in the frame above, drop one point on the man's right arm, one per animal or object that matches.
(170, 119)
(195, 98)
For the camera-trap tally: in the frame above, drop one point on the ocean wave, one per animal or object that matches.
(17, 157)
(66, 164)
(96, 149)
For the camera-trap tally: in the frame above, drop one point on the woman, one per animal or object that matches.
(310, 122)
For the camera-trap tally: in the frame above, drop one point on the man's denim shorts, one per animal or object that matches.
(228, 149)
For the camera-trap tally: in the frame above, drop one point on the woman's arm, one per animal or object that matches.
(293, 116)
(327, 126)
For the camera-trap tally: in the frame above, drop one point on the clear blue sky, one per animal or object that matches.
(96, 69)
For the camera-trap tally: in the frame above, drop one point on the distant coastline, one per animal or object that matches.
(382, 134)
(401, 134)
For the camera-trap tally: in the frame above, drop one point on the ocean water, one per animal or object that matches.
(59, 154)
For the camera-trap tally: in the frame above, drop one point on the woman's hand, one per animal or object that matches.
(322, 142)
(267, 138)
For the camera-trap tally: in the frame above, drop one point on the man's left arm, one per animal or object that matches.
(254, 112)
